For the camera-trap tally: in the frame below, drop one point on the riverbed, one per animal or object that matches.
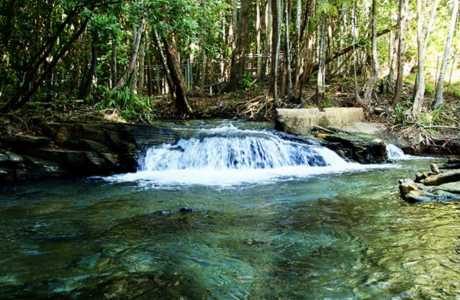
(324, 235)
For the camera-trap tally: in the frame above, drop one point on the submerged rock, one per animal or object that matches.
(432, 186)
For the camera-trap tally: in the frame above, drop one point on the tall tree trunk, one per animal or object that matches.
(354, 33)
(204, 63)
(132, 66)
(303, 51)
(269, 36)
(258, 40)
(420, 87)
(141, 77)
(298, 18)
(401, 48)
(114, 62)
(426, 32)
(370, 85)
(239, 55)
(288, 49)
(321, 80)
(86, 83)
(439, 98)
(164, 62)
(172, 59)
(276, 21)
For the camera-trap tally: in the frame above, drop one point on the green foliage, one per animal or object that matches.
(453, 90)
(400, 112)
(327, 102)
(131, 106)
(248, 81)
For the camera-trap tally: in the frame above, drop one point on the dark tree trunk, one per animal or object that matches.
(86, 83)
(132, 66)
(239, 55)
(276, 14)
(177, 78)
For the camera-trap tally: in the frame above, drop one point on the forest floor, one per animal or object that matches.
(436, 131)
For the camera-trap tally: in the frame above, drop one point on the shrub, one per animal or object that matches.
(131, 106)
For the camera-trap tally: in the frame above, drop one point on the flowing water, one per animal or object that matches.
(230, 214)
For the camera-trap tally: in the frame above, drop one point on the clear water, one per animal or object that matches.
(330, 236)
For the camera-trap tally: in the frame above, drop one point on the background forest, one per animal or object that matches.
(149, 59)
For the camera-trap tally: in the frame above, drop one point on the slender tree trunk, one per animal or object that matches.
(354, 33)
(204, 64)
(114, 62)
(439, 98)
(321, 80)
(370, 86)
(426, 32)
(420, 87)
(298, 19)
(86, 83)
(127, 76)
(182, 105)
(269, 36)
(258, 40)
(288, 49)
(276, 21)
(141, 77)
(239, 55)
(401, 48)
(303, 51)
(159, 45)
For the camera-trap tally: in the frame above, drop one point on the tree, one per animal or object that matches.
(239, 55)
(370, 85)
(276, 45)
(132, 66)
(321, 80)
(439, 98)
(420, 86)
(400, 49)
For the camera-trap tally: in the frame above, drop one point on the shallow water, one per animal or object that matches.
(337, 236)
(333, 236)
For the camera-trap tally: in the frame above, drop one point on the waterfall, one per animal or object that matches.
(228, 156)
(396, 153)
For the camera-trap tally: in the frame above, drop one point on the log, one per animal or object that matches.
(450, 176)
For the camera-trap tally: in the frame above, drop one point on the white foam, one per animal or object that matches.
(212, 177)
(227, 156)
(396, 153)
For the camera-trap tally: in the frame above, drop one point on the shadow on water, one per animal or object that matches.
(335, 237)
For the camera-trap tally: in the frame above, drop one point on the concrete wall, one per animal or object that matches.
(300, 121)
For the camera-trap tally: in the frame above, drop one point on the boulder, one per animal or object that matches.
(361, 148)
(301, 121)
(432, 186)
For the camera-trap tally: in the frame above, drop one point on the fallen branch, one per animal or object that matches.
(439, 127)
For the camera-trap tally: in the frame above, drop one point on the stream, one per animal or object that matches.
(231, 211)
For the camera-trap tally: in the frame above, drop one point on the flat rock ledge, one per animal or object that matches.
(340, 129)
(75, 149)
(439, 185)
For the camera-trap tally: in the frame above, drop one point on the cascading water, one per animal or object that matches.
(395, 153)
(228, 155)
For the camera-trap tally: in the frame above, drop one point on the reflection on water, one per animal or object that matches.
(334, 237)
